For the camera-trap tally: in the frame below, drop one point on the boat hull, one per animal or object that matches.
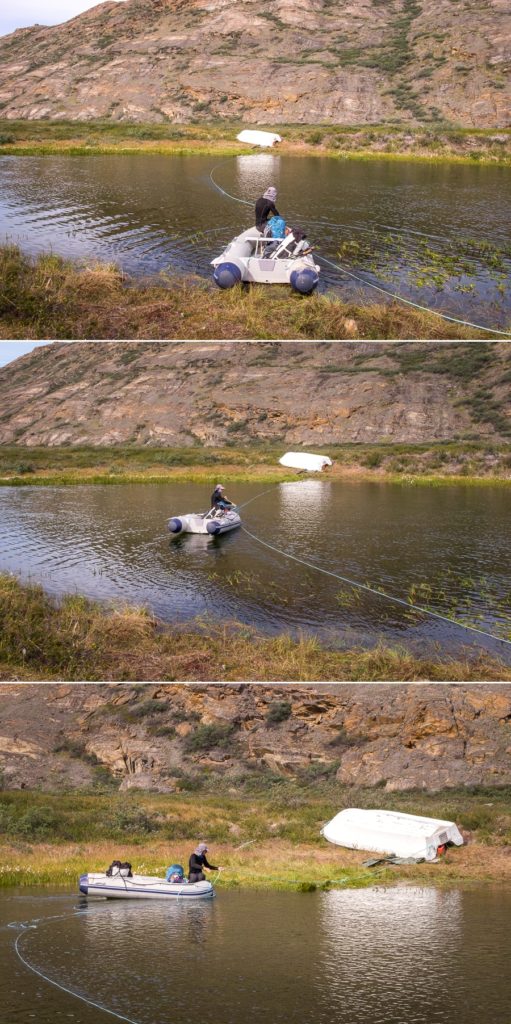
(212, 525)
(240, 261)
(142, 887)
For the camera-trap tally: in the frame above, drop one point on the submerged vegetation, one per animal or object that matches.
(265, 830)
(78, 639)
(431, 141)
(49, 297)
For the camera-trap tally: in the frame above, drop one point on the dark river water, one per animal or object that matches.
(405, 955)
(445, 547)
(436, 233)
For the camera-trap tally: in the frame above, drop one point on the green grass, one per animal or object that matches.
(48, 297)
(50, 838)
(77, 639)
(428, 140)
(474, 463)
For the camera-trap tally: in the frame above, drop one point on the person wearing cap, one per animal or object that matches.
(218, 498)
(197, 862)
(265, 207)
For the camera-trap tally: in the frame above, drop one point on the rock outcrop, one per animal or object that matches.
(266, 62)
(211, 394)
(162, 736)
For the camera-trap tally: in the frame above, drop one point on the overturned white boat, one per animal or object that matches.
(244, 260)
(138, 887)
(391, 832)
(256, 137)
(214, 522)
(306, 461)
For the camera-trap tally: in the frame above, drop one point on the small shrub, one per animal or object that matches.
(133, 820)
(373, 460)
(147, 707)
(205, 737)
(37, 823)
(278, 712)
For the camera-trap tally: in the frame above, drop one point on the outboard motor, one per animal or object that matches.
(304, 280)
(175, 525)
(227, 275)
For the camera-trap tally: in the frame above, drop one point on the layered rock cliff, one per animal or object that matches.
(186, 394)
(266, 62)
(164, 736)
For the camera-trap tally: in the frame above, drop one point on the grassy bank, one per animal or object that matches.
(77, 639)
(432, 142)
(48, 297)
(471, 463)
(264, 836)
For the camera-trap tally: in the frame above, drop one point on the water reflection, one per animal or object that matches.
(403, 955)
(443, 547)
(155, 213)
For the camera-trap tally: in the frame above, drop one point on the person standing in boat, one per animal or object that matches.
(218, 499)
(265, 207)
(197, 862)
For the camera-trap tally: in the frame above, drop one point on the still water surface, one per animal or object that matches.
(407, 955)
(447, 547)
(436, 233)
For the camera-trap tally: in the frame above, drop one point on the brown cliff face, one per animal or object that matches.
(164, 394)
(156, 736)
(266, 62)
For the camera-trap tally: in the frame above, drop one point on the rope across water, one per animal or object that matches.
(364, 586)
(27, 930)
(369, 284)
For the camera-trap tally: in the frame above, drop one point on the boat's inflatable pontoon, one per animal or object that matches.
(244, 260)
(138, 887)
(214, 522)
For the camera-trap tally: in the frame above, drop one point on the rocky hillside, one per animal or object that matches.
(167, 394)
(266, 62)
(397, 738)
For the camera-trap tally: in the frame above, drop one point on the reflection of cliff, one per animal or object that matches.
(427, 737)
(165, 394)
(377, 944)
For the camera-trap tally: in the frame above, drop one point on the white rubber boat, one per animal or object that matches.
(244, 260)
(214, 522)
(143, 887)
(391, 832)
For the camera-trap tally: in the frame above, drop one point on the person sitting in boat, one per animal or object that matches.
(219, 500)
(264, 207)
(197, 862)
(276, 230)
(175, 874)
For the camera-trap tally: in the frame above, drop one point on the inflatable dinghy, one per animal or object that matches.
(244, 260)
(214, 522)
(138, 887)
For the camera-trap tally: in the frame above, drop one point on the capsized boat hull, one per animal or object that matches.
(242, 260)
(143, 887)
(205, 524)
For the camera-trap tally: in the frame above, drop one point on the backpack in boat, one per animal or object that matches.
(119, 868)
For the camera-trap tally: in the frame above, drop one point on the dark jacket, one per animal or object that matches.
(263, 208)
(197, 862)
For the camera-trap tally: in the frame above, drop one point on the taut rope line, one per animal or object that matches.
(384, 291)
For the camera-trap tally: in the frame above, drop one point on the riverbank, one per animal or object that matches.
(49, 297)
(264, 839)
(471, 463)
(76, 639)
(427, 143)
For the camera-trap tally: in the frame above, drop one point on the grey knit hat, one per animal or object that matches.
(271, 194)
